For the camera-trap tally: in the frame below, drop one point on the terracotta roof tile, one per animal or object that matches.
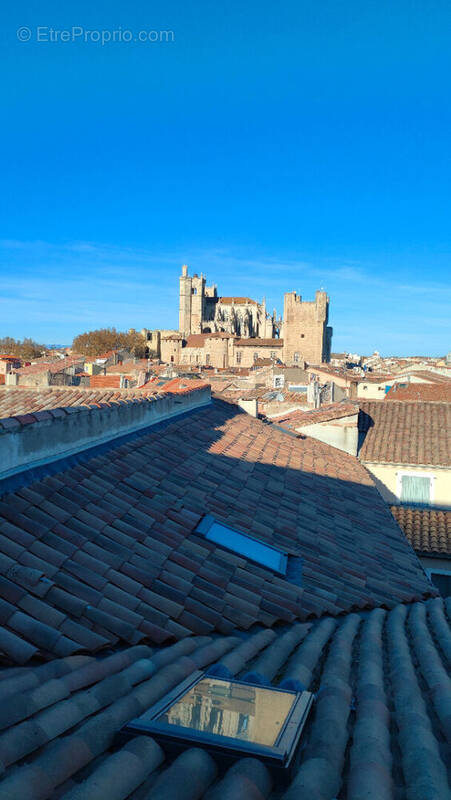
(18, 405)
(405, 432)
(107, 550)
(299, 418)
(382, 687)
(237, 301)
(437, 392)
(427, 529)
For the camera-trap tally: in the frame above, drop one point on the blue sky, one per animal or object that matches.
(274, 146)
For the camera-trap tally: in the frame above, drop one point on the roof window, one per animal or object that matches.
(261, 553)
(232, 719)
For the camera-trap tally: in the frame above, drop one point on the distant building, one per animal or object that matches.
(306, 334)
(202, 311)
(238, 331)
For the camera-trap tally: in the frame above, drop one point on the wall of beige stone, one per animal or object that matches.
(305, 332)
(185, 302)
(192, 355)
(170, 350)
(197, 295)
(245, 356)
(222, 353)
(38, 380)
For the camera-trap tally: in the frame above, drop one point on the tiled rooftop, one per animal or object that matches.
(406, 432)
(104, 381)
(58, 365)
(237, 301)
(16, 402)
(327, 413)
(242, 393)
(380, 729)
(427, 529)
(424, 392)
(105, 550)
(138, 365)
(196, 340)
(218, 384)
(181, 385)
(430, 376)
(337, 372)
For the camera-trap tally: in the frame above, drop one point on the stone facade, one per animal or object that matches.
(221, 350)
(305, 332)
(202, 311)
(238, 331)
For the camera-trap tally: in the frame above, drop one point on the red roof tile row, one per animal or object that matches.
(421, 392)
(427, 529)
(106, 550)
(298, 418)
(405, 432)
(15, 403)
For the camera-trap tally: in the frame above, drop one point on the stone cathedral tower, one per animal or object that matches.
(305, 332)
(202, 311)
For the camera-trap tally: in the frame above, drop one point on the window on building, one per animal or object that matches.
(442, 581)
(255, 356)
(238, 357)
(193, 291)
(415, 488)
(279, 381)
(302, 335)
(207, 358)
(273, 354)
(296, 358)
(244, 545)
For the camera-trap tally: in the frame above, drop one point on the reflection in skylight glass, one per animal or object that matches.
(224, 708)
(244, 545)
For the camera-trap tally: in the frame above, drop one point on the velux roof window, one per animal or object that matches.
(264, 554)
(231, 719)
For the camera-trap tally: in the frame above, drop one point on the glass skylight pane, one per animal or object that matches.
(226, 708)
(246, 546)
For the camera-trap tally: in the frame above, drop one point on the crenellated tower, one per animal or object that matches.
(306, 335)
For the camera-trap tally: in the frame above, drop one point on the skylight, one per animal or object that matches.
(243, 545)
(230, 718)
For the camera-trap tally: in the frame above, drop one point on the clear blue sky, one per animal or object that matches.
(273, 145)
